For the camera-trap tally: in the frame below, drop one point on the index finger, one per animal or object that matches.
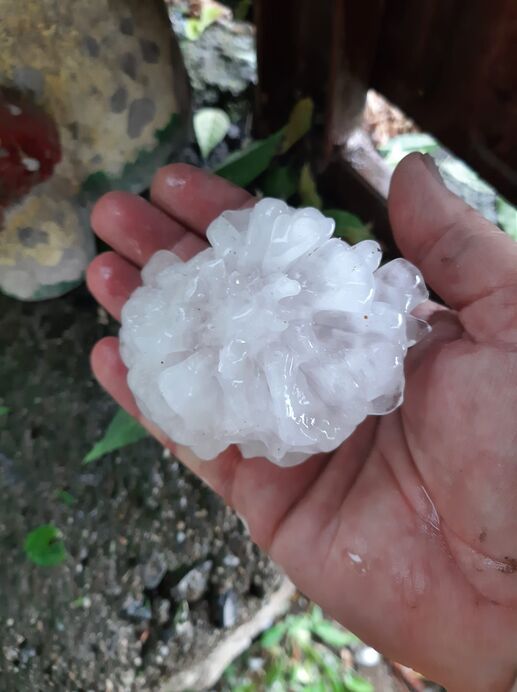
(194, 197)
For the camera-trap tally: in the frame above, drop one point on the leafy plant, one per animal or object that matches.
(66, 498)
(300, 653)
(211, 126)
(507, 217)
(397, 147)
(245, 166)
(307, 188)
(44, 546)
(242, 9)
(280, 181)
(122, 431)
(332, 635)
(299, 123)
(195, 26)
(4, 410)
(356, 683)
(349, 227)
(274, 635)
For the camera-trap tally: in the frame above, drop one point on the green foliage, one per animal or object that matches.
(300, 653)
(242, 10)
(349, 227)
(211, 126)
(402, 145)
(243, 167)
(258, 164)
(4, 410)
(507, 217)
(299, 123)
(274, 635)
(398, 147)
(333, 635)
(279, 181)
(122, 431)
(66, 498)
(44, 546)
(458, 170)
(356, 683)
(195, 26)
(307, 189)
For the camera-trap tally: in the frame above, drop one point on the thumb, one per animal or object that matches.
(468, 261)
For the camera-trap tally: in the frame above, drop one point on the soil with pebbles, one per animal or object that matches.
(157, 567)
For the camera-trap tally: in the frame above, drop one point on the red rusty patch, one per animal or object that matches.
(29, 146)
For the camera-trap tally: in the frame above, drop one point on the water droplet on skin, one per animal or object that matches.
(355, 558)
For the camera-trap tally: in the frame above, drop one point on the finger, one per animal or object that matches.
(136, 229)
(470, 263)
(111, 279)
(194, 197)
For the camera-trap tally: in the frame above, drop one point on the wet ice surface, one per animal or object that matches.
(278, 338)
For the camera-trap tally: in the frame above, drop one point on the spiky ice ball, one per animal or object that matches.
(278, 337)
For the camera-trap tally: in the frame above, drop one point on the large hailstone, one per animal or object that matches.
(278, 338)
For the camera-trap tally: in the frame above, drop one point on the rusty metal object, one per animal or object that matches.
(110, 76)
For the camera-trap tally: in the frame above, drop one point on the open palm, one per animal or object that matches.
(408, 532)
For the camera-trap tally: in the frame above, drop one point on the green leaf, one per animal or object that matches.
(242, 167)
(316, 614)
(195, 26)
(299, 123)
(66, 498)
(4, 410)
(348, 226)
(279, 181)
(274, 635)
(122, 431)
(304, 673)
(242, 10)
(300, 630)
(507, 217)
(397, 147)
(44, 546)
(356, 683)
(303, 621)
(328, 662)
(459, 171)
(319, 686)
(333, 635)
(244, 687)
(307, 188)
(211, 126)
(275, 674)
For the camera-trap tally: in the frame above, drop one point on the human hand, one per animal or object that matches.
(407, 534)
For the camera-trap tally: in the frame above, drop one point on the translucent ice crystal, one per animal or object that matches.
(277, 338)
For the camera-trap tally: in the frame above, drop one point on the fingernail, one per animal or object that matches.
(431, 166)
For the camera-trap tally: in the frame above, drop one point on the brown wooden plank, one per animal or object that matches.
(452, 67)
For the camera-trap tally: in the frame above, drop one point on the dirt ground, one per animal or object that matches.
(157, 567)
